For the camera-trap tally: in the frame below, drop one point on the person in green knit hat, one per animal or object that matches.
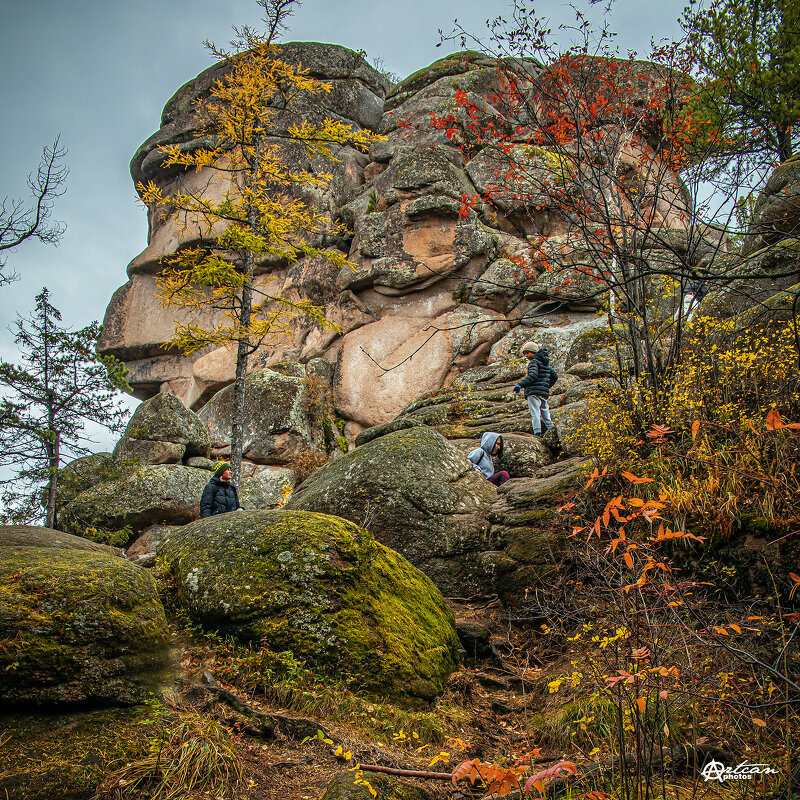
(220, 495)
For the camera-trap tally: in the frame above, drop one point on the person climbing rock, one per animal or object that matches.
(220, 495)
(541, 376)
(695, 292)
(481, 458)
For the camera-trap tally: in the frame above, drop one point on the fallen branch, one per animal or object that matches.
(503, 665)
(407, 773)
(294, 727)
(233, 700)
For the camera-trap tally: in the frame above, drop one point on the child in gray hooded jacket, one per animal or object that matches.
(481, 458)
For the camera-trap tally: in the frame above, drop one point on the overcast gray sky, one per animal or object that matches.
(98, 72)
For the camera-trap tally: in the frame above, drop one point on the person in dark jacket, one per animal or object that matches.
(220, 495)
(481, 458)
(541, 376)
(695, 292)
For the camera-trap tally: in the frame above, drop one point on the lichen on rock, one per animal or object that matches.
(323, 589)
(163, 431)
(77, 626)
(150, 495)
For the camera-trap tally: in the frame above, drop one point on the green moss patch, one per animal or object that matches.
(321, 588)
(77, 626)
(65, 756)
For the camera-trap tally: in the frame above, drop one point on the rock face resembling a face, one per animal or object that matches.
(431, 292)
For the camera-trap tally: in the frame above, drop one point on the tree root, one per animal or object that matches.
(266, 725)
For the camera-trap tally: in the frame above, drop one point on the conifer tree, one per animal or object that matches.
(259, 217)
(58, 388)
(747, 54)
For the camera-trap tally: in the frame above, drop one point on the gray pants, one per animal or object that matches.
(540, 413)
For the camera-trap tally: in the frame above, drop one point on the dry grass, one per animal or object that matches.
(191, 759)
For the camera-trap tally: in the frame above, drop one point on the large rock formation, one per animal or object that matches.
(417, 494)
(433, 291)
(149, 495)
(163, 431)
(322, 588)
(78, 624)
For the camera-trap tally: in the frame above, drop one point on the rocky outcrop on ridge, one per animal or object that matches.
(482, 399)
(433, 292)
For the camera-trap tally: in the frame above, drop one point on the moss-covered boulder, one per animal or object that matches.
(571, 421)
(150, 495)
(522, 455)
(276, 419)
(352, 786)
(322, 588)
(35, 536)
(777, 209)
(163, 431)
(418, 495)
(592, 354)
(77, 626)
(65, 756)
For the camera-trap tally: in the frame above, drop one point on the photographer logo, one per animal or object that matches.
(717, 771)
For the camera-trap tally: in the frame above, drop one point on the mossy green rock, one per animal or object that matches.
(77, 626)
(151, 495)
(66, 756)
(345, 787)
(165, 419)
(419, 495)
(594, 346)
(322, 588)
(36, 536)
(532, 548)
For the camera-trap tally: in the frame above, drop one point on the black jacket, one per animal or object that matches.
(541, 376)
(218, 497)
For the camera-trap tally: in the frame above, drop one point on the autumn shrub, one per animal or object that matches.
(458, 404)
(715, 443)
(732, 376)
(305, 462)
(662, 663)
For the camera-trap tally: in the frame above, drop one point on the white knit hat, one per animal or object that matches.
(530, 347)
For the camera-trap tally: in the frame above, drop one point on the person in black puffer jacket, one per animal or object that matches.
(541, 376)
(220, 495)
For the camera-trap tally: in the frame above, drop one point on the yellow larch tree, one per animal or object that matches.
(257, 218)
